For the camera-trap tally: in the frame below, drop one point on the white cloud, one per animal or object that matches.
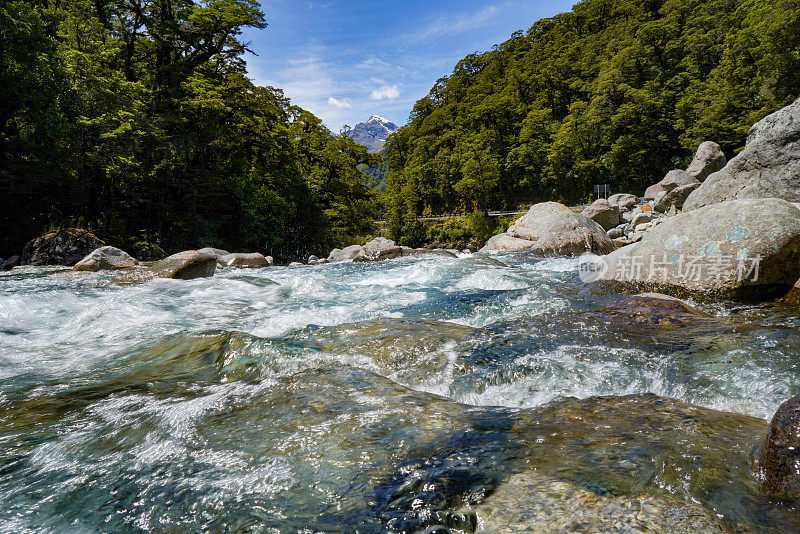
(388, 92)
(455, 25)
(343, 103)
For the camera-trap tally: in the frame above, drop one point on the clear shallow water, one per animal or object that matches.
(394, 396)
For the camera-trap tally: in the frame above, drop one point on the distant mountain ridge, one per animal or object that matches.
(372, 133)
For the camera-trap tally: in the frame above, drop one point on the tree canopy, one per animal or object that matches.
(615, 91)
(136, 119)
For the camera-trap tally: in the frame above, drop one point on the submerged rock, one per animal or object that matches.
(742, 249)
(603, 213)
(708, 159)
(106, 258)
(185, 265)
(552, 229)
(64, 247)
(780, 459)
(652, 309)
(768, 167)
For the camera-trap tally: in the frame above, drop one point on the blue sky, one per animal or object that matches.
(346, 60)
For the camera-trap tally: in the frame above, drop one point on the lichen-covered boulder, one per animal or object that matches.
(106, 258)
(603, 213)
(708, 159)
(768, 167)
(780, 459)
(552, 229)
(747, 249)
(64, 247)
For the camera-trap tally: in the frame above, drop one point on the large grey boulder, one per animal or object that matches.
(106, 258)
(674, 198)
(746, 249)
(378, 249)
(552, 229)
(708, 159)
(674, 179)
(603, 213)
(244, 260)
(345, 254)
(768, 167)
(185, 265)
(64, 247)
(624, 201)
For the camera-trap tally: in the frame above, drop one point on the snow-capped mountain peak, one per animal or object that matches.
(372, 133)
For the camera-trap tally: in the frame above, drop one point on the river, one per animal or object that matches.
(427, 394)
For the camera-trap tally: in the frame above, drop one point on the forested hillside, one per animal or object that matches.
(135, 119)
(616, 91)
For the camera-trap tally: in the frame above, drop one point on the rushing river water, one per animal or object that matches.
(470, 394)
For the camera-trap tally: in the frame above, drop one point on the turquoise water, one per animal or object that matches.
(428, 394)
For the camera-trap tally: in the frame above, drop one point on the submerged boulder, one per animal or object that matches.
(768, 167)
(741, 249)
(64, 247)
(552, 229)
(708, 159)
(185, 265)
(780, 459)
(106, 258)
(652, 309)
(603, 213)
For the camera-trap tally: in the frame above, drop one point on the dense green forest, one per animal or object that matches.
(616, 91)
(135, 119)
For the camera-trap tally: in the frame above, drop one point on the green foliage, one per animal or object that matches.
(138, 118)
(615, 91)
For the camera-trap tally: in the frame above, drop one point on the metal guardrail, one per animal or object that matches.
(445, 216)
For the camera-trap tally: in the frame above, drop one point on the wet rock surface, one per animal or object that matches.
(780, 459)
